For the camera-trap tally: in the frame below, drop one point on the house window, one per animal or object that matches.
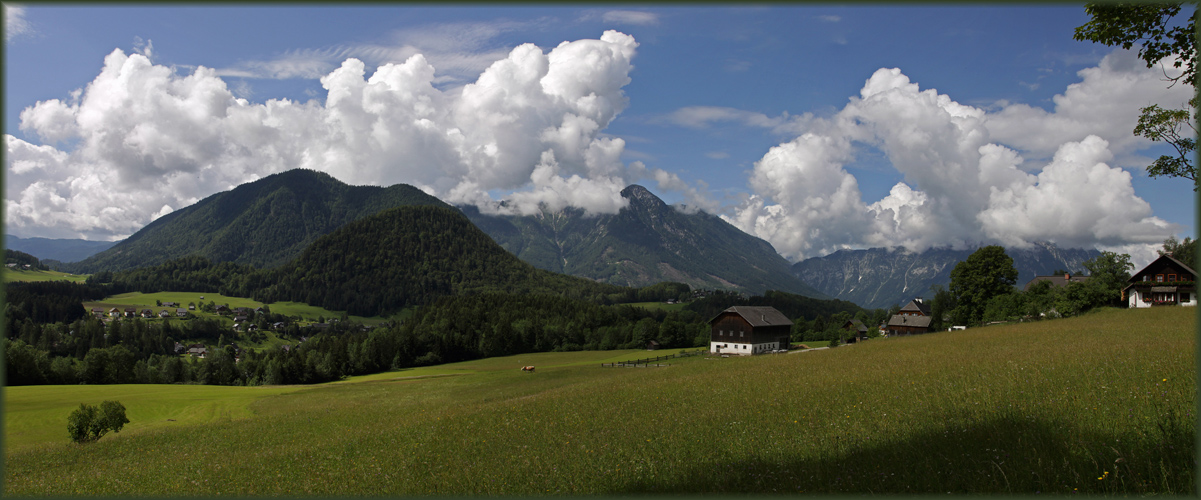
(1146, 278)
(741, 334)
(1159, 278)
(1171, 277)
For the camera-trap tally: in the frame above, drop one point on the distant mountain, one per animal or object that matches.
(881, 277)
(264, 223)
(409, 256)
(63, 250)
(645, 243)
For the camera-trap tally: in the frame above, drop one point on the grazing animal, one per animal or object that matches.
(527, 368)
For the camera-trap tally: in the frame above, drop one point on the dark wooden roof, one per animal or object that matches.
(757, 315)
(913, 321)
(1134, 278)
(917, 305)
(856, 324)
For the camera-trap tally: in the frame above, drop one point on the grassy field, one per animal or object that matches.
(35, 275)
(1100, 404)
(679, 306)
(305, 311)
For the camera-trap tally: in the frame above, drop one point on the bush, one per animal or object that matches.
(87, 423)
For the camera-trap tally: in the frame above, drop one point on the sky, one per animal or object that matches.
(814, 127)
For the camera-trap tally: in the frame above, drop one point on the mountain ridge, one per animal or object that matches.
(646, 242)
(263, 223)
(895, 275)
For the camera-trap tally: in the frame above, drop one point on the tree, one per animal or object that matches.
(1159, 35)
(986, 273)
(1183, 251)
(1109, 272)
(87, 423)
(942, 304)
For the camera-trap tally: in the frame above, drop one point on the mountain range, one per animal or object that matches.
(62, 250)
(646, 242)
(269, 222)
(882, 277)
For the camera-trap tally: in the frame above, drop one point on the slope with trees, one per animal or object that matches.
(264, 223)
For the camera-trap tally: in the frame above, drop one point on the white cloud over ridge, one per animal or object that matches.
(965, 181)
(143, 139)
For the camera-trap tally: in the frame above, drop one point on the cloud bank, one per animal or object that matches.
(965, 180)
(141, 140)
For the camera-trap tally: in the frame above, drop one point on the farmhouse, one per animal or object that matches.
(747, 330)
(856, 330)
(1164, 282)
(147, 313)
(1056, 280)
(911, 319)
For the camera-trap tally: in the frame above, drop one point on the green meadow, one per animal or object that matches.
(1098, 404)
(309, 313)
(11, 275)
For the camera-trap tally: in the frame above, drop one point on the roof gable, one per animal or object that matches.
(1165, 263)
(917, 305)
(757, 315)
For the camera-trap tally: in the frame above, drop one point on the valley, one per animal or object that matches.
(1045, 407)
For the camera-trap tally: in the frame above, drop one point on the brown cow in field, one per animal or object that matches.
(527, 368)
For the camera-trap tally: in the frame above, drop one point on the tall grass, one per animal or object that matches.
(1101, 404)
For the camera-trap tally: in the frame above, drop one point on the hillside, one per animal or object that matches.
(62, 250)
(881, 277)
(645, 243)
(407, 256)
(264, 223)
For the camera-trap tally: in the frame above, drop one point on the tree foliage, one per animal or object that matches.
(88, 423)
(1183, 251)
(1108, 274)
(986, 273)
(1159, 35)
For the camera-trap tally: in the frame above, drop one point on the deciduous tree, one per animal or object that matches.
(986, 273)
(1161, 36)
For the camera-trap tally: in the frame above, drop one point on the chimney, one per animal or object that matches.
(1067, 276)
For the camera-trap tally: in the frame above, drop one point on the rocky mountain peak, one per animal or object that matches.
(641, 198)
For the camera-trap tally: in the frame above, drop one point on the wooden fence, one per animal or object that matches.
(647, 362)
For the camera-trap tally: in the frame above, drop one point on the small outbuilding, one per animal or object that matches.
(749, 330)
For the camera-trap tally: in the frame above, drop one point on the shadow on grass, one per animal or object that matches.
(1005, 455)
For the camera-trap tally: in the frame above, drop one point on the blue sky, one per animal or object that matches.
(760, 114)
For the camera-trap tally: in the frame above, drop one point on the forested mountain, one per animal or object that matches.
(881, 277)
(62, 250)
(407, 256)
(646, 242)
(264, 223)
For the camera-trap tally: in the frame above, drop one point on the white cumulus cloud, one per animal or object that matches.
(965, 180)
(142, 138)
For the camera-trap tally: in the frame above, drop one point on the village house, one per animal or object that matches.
(98, 312)
(856, 331)
(164, 314)
(131, 312)
(748, 330)
(912, 319)
(147, 313)
(1058, 280)
(114, 312)
(181, 312)
(1164, 282)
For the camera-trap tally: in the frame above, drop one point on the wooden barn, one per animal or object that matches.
(911, 319)
(748, 330)
(1164, 282)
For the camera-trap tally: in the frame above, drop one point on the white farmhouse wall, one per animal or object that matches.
(741, 349)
